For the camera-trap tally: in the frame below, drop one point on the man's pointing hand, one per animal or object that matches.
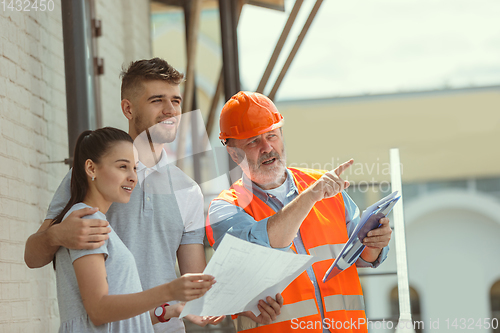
(330, 184)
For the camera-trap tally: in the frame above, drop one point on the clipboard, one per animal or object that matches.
(369, 220)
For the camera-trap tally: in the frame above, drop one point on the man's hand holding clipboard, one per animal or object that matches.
(372, 231)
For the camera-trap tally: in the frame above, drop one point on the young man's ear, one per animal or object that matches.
(127, 108)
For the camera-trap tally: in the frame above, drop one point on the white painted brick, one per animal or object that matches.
(4, 256)
(3, 22)
(33, 28)
(53, 325)
(14, 188)
(32, 275)
(8, 249)
(20, 21)
(3, 41)
(24, 137)
(53, 306)
(23, 78)
(10, 291)
(42, 288)
(18, 309)
(18, 272)
(36, 104)
(5, 311)
(60, 86)
(31, 198)
(25, 326)
(25, 288)
(40, 145)
(3, 84)
(11, 70)
(17, 252)
(4, 190)
(11, 51)
(5, 165)
(23, 60)
(47, 73)
(4, 266)
(4, 232)
(37, 125)
(36, 69)
(17, 17)
(12, 32)
(58, 67)
(16, 231)
(55, 29)
(22, 100)
(21, 169)
(4, 62)
(36, 84)
(45, 37)
(9, 209)
(31, 46)
(21, 214)
(5, 327)
(14, 154)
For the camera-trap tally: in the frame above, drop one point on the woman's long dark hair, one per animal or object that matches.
(90, 145)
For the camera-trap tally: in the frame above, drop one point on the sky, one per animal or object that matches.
(362, 47)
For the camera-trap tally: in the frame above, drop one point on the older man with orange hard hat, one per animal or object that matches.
(304, 210)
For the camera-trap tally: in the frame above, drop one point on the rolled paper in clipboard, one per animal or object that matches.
(369, 220)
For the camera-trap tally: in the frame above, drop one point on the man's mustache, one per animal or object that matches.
(273, 154)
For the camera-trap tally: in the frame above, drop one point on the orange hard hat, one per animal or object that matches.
(248, 114)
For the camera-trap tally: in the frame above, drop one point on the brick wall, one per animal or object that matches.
(33, 131)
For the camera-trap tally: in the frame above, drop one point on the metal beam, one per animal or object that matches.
(194, 105)
(279, 45)
(79, 69)
(228, 24)
(218, 90)
(296, 47)
(270, 4)
(213, 106)
(176, 3)
(192, 11)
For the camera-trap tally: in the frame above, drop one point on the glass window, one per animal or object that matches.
(445, 185)
(495, 304)
(358, 195)
(410, 191)
(488, 184)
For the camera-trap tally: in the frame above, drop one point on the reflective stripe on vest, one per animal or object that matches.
(344, 302)
(325, 252)
(297, 310)
(288, 312)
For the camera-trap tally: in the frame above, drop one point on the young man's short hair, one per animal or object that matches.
(147, 70)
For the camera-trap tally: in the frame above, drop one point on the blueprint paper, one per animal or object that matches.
(245, 273)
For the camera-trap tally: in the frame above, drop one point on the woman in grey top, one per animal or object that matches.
(99, 290)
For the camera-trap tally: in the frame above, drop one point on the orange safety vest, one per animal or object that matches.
(324, 234)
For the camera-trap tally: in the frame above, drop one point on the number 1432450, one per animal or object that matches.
(27, 5)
